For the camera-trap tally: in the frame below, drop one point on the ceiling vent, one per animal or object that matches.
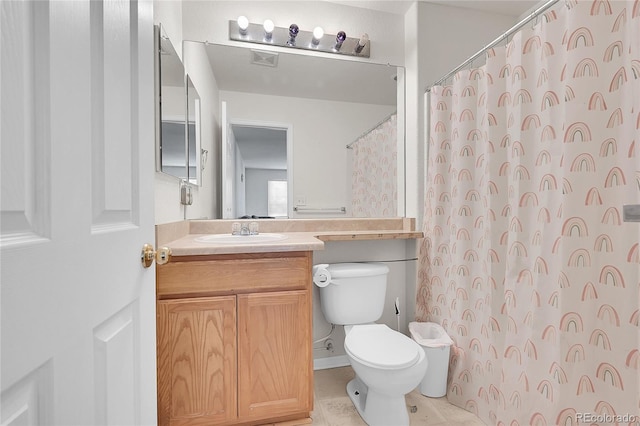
(260, 57)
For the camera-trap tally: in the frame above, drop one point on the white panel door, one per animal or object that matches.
(77, 173)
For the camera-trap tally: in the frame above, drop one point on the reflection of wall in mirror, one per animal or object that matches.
(321, 130)
(194, 158)
(193, 138)
(173, 143)
(241, 183)
(257, 181)
(193, 135)
(207, 194)
(172, 101)
(173, 154)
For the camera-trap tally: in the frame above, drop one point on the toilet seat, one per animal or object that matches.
(378, 346)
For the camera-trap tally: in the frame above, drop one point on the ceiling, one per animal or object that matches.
(251, 70)
(260, 147)
(400, 7)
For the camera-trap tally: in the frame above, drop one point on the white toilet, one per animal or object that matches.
(388, 364)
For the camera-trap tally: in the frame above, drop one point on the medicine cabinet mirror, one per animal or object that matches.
(171, 109)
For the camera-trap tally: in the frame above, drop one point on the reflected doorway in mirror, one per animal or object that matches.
(255, 155)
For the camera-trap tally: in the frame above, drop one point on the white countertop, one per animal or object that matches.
(294, 241)
(301, 234)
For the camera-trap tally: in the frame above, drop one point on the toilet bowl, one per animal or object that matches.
(388, 365)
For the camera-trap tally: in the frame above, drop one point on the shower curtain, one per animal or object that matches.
(374, 188)
(527, 261)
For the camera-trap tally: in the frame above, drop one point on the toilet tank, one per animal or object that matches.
(355, 293)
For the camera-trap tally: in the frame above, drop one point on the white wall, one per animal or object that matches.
(257, 180)
(205, 197)
(321, 131)
(169, 14)
(391, 252)
(437, 39)
(209, 21)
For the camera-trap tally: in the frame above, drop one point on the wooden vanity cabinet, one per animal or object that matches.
(234, 339)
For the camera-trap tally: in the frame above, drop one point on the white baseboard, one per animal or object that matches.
(331, 362)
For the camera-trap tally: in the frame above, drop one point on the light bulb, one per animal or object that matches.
(318, 32)
(268, 29)
(340, 38)
(362, 42)
(293, 30)
(293, 33)
(243, 24)
(268, 26)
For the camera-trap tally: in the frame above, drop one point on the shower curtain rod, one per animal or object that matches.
(498, 40)
(349, 146)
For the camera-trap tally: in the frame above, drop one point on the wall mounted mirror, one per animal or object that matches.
(328, 104)
(196, 156)
(171, 149)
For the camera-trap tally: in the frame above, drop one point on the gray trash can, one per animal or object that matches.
(437, 345)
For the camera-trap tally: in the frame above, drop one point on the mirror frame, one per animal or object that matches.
(159, 36)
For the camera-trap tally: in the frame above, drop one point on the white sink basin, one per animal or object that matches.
(240, 239)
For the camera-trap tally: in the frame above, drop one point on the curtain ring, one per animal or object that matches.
(505, 39)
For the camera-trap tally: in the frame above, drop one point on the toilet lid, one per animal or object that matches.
(379, 346)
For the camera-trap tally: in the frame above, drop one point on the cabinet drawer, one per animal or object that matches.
(227, 274)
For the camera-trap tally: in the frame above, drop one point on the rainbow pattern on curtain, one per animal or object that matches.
(526, 260)
(374, 177)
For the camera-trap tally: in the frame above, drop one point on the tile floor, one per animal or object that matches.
(332, 406)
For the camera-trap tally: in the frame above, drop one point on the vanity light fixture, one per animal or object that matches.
(318, 33)
(293, 37)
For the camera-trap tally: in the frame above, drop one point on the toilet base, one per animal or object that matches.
(377, 409)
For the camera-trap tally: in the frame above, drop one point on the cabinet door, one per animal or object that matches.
(197, 361)
(275, 364)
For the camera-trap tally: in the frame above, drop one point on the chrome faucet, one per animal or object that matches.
(238, 228)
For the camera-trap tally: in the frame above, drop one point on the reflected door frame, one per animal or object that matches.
(229, 189)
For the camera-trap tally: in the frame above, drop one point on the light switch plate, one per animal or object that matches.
(631, 213)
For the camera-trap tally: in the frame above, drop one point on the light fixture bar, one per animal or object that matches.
(328, 43)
